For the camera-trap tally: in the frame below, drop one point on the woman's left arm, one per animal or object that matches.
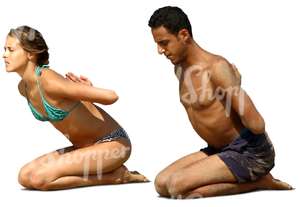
(56, 85)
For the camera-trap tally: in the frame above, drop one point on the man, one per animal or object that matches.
(239, 154)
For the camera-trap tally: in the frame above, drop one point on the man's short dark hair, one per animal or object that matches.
(172, 18)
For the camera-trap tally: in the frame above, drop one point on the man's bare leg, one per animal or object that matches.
(163, 177)
(265, 183)
(211, 177)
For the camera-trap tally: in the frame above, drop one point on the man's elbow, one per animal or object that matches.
(257, 126)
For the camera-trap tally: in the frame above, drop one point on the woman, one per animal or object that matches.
(100, 145)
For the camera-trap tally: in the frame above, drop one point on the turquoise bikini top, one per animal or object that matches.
(53, 113)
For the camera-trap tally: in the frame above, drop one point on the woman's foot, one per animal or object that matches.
(125, 176)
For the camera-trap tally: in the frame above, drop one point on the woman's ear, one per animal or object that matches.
(31, 56)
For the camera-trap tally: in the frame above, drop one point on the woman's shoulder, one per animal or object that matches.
(49, 73)
(50, 80)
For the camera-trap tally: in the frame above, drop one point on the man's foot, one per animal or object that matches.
(125, 176)
(269, 183)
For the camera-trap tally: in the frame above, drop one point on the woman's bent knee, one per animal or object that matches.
(24, 176)
(33, 178)
(39, 180)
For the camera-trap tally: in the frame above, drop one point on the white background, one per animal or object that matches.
(111, 43)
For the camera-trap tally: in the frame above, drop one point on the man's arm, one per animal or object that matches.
(224, 76)
(55, 85)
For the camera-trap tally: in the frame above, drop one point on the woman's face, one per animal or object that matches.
(15, 57)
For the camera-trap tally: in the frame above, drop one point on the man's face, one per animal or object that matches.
(172, 46)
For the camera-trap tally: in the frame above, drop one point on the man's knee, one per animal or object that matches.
(175, 185)
(161, 184)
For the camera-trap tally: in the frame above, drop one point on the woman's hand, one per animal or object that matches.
(82, 79)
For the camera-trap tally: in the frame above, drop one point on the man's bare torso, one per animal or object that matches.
(205, 105)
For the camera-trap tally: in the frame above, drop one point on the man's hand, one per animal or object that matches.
(237, 74)
(76, 79)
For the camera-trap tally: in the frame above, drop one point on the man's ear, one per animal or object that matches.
(184, 35)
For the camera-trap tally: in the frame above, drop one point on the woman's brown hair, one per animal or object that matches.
(32, 41)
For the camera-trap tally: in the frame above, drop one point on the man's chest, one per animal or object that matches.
(196, 89)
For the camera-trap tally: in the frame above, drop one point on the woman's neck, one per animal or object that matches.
(27, 73)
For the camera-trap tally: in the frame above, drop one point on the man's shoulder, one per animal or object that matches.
(218, 62)
(222, 71)
(219, 65)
